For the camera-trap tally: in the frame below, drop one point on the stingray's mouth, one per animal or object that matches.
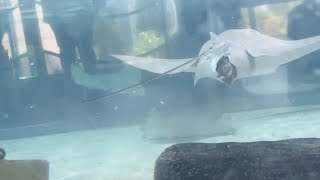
(226, 71)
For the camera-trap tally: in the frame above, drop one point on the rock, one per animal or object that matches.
(293, 159)
(183, 127)
(24, 170)
(2, 153)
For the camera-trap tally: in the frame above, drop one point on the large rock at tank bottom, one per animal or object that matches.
(24, 170)
(294, 159)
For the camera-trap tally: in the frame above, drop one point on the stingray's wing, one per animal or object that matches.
(258, 44)
(272, 57)
(155, 65)
(268, 52)
(109, 81)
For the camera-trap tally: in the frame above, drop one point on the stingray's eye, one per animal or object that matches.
(212, 45)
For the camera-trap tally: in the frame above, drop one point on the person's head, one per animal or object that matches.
(193, 15)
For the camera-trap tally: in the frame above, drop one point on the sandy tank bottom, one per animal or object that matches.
(123, 153)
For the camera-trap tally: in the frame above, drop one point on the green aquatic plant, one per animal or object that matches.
(274, 20)
(147, 41)
(270, 19)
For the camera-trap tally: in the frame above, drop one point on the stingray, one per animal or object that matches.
(231, 55)
(247, 51)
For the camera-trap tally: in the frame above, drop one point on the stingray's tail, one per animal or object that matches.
(186, 63)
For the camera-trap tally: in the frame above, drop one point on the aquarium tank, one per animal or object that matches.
(159, 89)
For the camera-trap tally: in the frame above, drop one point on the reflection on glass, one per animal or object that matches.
(100, 88)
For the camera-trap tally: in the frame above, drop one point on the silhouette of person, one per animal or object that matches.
(72, 22)
(9, 104)
(304, 22)
(4, 23)
(3, 59)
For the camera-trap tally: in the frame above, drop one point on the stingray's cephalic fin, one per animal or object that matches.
(212, 35)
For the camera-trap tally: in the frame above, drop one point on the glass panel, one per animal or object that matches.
(99, 88)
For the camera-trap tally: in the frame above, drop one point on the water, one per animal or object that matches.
(60, 69)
